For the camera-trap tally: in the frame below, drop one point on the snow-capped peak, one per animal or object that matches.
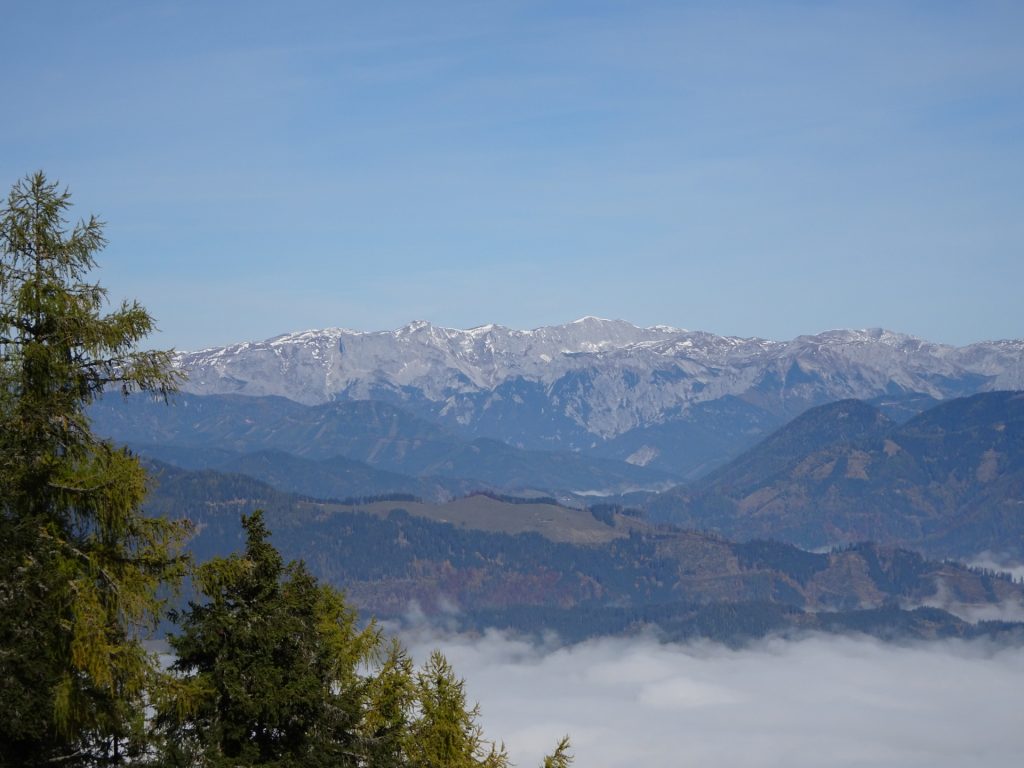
(606, 376)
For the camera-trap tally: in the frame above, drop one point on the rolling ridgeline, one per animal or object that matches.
(949, 482)
(399, 519)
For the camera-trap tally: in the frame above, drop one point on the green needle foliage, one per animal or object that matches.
(80, 564)
(272, 669)
(561, 757)
(446, 734)
(268, 667)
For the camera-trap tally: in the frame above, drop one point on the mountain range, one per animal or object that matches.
(912, 466)
(678, 401)
(370, 452)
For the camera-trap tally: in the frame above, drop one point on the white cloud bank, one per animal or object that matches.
(821, 701)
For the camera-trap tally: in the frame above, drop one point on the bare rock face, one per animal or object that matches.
(593, 380)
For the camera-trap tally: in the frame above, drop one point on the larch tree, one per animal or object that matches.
(81, 566)
(446, 733)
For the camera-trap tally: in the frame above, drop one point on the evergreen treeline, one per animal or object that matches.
(271, 666)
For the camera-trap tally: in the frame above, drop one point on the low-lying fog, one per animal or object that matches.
(820, 701)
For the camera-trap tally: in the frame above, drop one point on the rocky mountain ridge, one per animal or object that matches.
(607, 386)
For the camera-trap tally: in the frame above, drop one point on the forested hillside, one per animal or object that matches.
(535, 566)
(949, 481)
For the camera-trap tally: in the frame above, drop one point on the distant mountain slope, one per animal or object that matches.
(949, 481)
(222, 430)
(845, 421)
(340, 478)
(533, 566)
(605, 386)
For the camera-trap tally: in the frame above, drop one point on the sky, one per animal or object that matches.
(843, 702)
(747, 168)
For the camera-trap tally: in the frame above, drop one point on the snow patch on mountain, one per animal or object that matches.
(604, 376)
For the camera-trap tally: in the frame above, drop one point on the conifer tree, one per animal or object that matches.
(267, 666)
(272, 669)
(446, 733)
(561, 757)
(80, 564)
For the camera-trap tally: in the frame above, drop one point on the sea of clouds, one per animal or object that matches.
(818, 701)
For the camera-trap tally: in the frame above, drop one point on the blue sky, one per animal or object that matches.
(761, 168)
